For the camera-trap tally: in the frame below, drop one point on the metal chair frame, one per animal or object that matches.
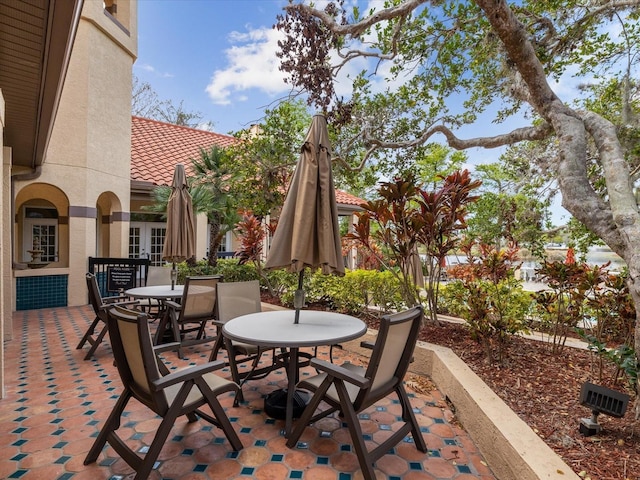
(350, 389)
(99, 305)
(235, 299)
(169, 394)
(197, 307)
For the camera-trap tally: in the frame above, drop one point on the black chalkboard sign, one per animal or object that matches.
(120, 278)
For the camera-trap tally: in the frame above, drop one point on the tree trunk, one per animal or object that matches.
(214, 242)
(616, 220)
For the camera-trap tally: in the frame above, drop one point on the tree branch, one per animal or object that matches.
(538, 132)
(355, 30)
(519, 134)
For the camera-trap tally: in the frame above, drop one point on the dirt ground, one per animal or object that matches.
(544, 390)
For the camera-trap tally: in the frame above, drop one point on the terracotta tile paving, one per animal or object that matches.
(56, 402)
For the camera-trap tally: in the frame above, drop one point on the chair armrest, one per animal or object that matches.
(164, 347)
(340, 372)
(367, 344)
(173, 305)
(186, 374)
(108, 305)
(115, 299)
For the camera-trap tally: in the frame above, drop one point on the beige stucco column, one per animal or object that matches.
(202, 241)
(352, 256)
(82, 222)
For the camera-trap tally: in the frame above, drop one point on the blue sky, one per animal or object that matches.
(218, 58)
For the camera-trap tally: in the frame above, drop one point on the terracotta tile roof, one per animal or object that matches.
(156, 147)
(345, 198)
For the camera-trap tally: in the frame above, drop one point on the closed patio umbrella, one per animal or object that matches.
(179, 240)
(415, 268)
(307, 234)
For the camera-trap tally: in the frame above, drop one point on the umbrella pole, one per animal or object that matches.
(298, 299)
(174, 275)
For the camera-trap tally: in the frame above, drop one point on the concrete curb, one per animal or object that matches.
(511, 448)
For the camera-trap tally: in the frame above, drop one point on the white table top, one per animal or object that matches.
(156, 291)
(276, 328)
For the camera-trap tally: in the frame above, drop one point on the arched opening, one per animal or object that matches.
(108, 235)
(42, 224)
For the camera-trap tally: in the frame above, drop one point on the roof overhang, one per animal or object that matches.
(347, 209)
(141, 190)
(36, 39)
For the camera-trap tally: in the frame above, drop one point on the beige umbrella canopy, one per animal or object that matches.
(307, 234)
(179, 240)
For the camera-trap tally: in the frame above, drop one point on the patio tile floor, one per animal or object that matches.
(56, 402)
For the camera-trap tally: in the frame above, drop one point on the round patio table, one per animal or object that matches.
(277, 329)
(161, 293)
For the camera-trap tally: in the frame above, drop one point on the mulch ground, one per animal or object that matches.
(544, 390)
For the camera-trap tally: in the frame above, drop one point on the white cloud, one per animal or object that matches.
(151, 69)
(252, 64)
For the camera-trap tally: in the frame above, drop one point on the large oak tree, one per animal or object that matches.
(496, 57)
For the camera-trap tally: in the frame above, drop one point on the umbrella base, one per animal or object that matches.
(275, 404)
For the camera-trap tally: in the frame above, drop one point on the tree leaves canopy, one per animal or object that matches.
(428, 68)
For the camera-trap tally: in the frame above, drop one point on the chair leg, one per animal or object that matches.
(89, 333)
(308, 412)
(235, 376)
(176, 335)
(162, 327)
(216, 347)
(219, 415)
(201, 331)
(111, 425)
(355, 429)
(409, 417)
(94, 342)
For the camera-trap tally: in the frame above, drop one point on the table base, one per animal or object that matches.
(275, 404)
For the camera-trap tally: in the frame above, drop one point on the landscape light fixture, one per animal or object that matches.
(600, 400)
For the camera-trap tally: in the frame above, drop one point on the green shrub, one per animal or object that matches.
(201, 268)
(232, 271)
(285, 283)
(380, 290)
(492, 311)
(229, 268)
(339, 293)
(357, 291)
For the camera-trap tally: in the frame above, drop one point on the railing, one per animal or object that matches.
(115, 275)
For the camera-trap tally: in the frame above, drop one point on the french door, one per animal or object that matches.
(147, 239)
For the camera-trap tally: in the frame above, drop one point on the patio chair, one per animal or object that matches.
(350, 389)
(168, 394)
(153, 306)
(98, 328)
(235, 299)
(196, 308)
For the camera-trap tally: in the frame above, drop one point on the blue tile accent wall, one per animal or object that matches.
(41, 292)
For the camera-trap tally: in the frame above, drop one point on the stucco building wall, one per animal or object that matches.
(86, 174)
